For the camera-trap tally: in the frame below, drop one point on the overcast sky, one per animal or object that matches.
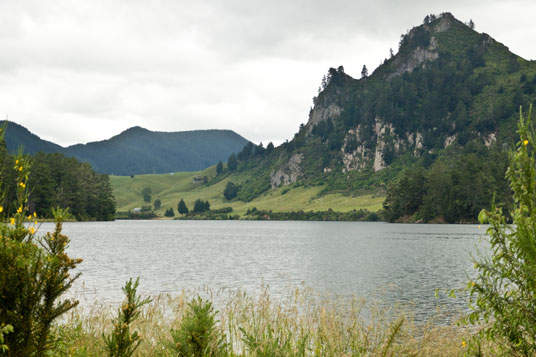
(75, 71)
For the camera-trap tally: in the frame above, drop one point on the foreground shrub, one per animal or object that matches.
(120, 342)
(34, 273)
(503, 295)
(198, 334)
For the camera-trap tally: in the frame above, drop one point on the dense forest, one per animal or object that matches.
(454, 189)
(58, 181)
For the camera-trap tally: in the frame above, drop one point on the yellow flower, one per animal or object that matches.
(32, 230)
(22, 184)
(30, 217)
(1, 209)
(20, 168)
(35, 214)
(12, 221)
(17, 162)
(463, 343)
(19, 210)
(525, 142)
(35, 222)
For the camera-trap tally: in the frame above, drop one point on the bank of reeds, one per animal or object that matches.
(302, 324)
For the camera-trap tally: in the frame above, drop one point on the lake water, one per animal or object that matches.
(406, 263)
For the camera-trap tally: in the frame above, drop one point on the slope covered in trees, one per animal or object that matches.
(58, 181)
(139, 151)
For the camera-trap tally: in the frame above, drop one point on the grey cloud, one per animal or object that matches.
(75, 71)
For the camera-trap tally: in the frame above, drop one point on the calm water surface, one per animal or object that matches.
(405, 262)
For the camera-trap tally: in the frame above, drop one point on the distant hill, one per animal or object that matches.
(138, 150)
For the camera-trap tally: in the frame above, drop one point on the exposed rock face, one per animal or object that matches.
(361, 156)
(288, 173)
(417, 57)
(418, 144)
(422, 55)
(490, 139)
(382, 130)
(321, 113)
(449, 140)
(356, 159)
(444, 23)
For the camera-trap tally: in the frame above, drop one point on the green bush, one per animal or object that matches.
(502, 295)
(230, 191)
(169, 212)
(120, 342)
(181, 207)
(147, 194)
(201, 206)
(198, 335)
(34, 273)
(157, 204)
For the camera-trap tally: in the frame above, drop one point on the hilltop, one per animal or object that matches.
(445, 104)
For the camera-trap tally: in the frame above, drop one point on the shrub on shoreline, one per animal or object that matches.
(302, 323)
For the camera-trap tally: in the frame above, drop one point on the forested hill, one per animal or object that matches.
(55, 181)
(18, 135)
(139, 151)
(448, 93)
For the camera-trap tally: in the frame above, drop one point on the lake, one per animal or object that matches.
(397, 263)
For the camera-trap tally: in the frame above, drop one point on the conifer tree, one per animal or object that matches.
(182, 208)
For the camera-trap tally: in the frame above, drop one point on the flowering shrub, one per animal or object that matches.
(34, 273)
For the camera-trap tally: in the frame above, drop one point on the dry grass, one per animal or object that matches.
(301, 324)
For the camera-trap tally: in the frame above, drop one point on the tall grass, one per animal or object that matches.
(302, 324)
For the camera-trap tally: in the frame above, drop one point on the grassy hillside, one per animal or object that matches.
(170, 188)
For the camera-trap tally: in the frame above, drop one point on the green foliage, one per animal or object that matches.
(34, 273)
(329, 215)
(146, 193)
(56, 181)
(246, 152)
(120, 342)
(198, 334)
(4, 330)
(230, 191)
(181, 207)
(201, 206)
(219, 167)
(59, 181)
(453, 189)
(232, 162)
(269, 148)
(169, 212)
(502, 294)
(157, 204)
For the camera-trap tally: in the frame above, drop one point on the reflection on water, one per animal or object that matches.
(406, 263)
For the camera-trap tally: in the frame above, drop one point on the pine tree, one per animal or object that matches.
(182, 208)
(364, 72)
(232, 163)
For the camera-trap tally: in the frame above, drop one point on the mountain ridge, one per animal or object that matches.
(138, 150)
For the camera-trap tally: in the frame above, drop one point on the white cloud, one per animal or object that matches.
(78, 71)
